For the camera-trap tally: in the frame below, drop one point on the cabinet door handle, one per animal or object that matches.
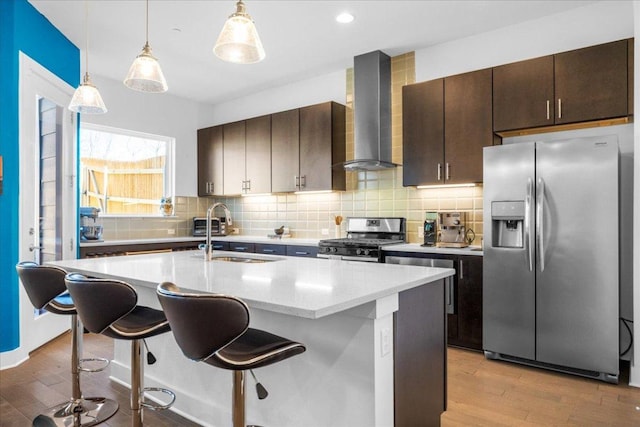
(448, 175)
(268, 251)
(548, 110)
(439, 171)
(240, 248)
(216, 246)
(303, 181)
(296, 181)
(461, 269)
(559, 108)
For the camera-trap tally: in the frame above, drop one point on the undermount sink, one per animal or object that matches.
(241, 259)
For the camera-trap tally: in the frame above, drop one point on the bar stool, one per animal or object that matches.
(214, 329)
(46, 289)
(109, 307)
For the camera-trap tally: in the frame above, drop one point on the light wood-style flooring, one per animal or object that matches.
(481, 392)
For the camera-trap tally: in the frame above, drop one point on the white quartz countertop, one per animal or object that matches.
(232, 238)
(298, 286)
(417, 248)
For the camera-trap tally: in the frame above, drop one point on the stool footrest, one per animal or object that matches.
(106, 362)
(159, 407)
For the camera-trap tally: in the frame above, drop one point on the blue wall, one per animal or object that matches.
(22, 28)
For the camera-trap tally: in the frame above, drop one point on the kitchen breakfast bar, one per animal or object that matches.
(375, 336)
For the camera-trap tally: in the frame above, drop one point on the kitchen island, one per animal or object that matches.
(375, 337)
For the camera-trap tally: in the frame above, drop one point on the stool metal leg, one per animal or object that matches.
(79, 411)
(137, 376)
(238, 399)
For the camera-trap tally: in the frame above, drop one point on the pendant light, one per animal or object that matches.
(145, 74)
(238, 41)
(86, 99)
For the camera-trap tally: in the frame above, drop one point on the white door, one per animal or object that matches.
(47, 188)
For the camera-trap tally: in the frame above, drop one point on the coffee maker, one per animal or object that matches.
(430, 229)
(90, 224)
(452, 230)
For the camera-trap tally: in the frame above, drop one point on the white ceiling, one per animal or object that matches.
(301, 38)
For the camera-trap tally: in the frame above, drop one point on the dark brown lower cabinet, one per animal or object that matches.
(465, 327)
(464, 319)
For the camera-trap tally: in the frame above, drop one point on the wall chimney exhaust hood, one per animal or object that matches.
(372, 112)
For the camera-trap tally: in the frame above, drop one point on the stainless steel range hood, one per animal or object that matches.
(372, 112)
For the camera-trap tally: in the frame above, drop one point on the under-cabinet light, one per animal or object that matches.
(313, 192)
(256, 194)
(447, 185)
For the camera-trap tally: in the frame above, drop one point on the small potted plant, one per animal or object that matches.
(166, 206)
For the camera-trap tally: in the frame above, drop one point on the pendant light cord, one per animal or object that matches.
(86, 36)
(147, 24)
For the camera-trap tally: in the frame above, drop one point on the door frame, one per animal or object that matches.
(37, 82)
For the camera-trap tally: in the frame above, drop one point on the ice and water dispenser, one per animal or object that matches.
(507, 221)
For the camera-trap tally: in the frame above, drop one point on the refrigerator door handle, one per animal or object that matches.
(540, 222)
(527, 224)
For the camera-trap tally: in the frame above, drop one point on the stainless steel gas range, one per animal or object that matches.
(365, 237)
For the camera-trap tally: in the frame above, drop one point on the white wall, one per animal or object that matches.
(159, 114)
(590, 25)
(330, 87)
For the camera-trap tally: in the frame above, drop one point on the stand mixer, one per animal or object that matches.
(90, 224)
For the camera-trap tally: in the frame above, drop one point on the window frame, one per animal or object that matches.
(169, 169)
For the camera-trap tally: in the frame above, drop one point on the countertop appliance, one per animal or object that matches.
(430, 230)
(452, 231)
(365, 236)
(218, 227)
(90, 224)
(550, 290)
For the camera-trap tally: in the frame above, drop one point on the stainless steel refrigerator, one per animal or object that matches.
(550, 277)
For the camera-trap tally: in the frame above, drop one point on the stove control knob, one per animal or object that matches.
(366, 251)
(358, 251)
(333, 249)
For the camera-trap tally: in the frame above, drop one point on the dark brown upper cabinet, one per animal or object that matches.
(258, 156)
(234, 136)
(422, 132)
(577, 86)
(322, 146)
(467, 125)
(446, 123)
(306, 143)
(591, 83)
(285, 150)
(210, 161)
(523, 94)
(247, 156)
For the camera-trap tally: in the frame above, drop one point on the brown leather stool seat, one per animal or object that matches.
(109, 307)
(214, 329)
(46, 289)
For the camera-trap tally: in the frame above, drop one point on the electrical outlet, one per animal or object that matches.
(385, 341)
(235, 231)
(324, 231)
(171, 231)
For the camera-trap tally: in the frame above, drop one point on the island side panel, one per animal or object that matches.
(420, 356)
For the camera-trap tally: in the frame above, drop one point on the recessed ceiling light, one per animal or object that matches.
(345, 18)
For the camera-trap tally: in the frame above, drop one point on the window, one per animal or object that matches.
(124, 172)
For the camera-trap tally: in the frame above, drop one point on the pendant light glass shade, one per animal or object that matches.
(86, 99)
(145, 74)
(238, 41)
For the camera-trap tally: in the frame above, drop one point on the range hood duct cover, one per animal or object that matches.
(372, 112)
